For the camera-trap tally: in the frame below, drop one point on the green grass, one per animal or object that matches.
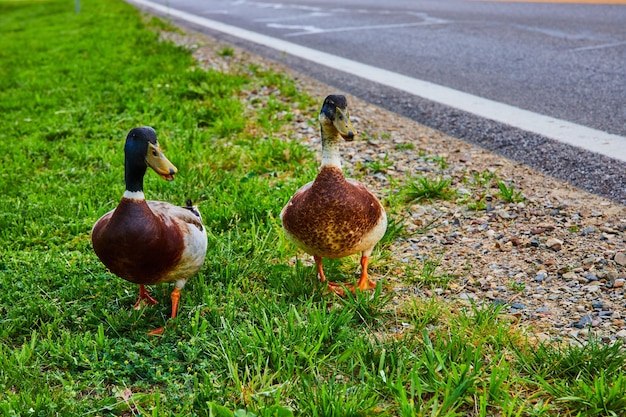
(487, 185)
(424, 188)
(255, 334)
(508, 193)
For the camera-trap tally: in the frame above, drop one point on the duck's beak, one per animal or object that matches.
(159, 163)
(343, 125)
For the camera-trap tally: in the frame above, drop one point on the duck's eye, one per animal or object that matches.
(155, 153)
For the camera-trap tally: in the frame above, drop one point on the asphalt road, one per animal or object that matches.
(566, 61)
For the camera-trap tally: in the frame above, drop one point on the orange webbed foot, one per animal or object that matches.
(157, 332)
(339, 289)
(144, 295)
(175, 299)
(364, 283)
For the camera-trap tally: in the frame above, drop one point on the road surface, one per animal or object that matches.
(521, 69)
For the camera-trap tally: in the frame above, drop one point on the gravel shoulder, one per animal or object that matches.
(556, 260)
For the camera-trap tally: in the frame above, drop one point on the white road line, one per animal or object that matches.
(573, 134)
(605, 45)
(314, 30)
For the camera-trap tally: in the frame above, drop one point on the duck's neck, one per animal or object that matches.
(134, 195)
(133, 175)
(330, 149)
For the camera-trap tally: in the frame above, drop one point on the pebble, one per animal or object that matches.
(618, 283)
(543, 337)
(587, 231)
(466, 296)
(554, 244)
(570, 275)
(541, 276)
(597, 305)
(620, 258)
(584, 321)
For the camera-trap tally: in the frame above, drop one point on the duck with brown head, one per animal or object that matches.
(150, 242)
(334, 217)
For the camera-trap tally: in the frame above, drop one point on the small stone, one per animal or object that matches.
(554, 244)
(542, 228)
(606, 236)
(597, 305)
(467, 296)
(570, 275)
(619, 283)
(584, 321)
(591, 277)
(608, 230)
(540, 277)
(588, 230)
(543, 337)
(503, 214)
(589, 261)
(620, 258)
(621, 334)
(518, 306)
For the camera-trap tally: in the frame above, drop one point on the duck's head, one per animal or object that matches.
(334, 118)
(142, 150)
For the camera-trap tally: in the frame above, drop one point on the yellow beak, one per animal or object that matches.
(159, 163)
(343, 125)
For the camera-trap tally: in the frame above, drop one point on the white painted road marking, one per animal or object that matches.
(314, 30)
(594, 140)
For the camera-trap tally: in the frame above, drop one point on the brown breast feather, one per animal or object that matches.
(135, 246)
(332, 215)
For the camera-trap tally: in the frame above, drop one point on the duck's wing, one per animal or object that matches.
(296, 196)
(169, 213)
(189, 224)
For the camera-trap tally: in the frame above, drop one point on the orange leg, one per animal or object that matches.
(175, 299)
(332, 287)
(364, 282)
(320, 268)
(144, 295)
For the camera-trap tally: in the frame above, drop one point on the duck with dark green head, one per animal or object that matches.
(334, 217)
(150, 242)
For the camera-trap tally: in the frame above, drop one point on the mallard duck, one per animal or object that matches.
(334, 217)
(150, 242)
